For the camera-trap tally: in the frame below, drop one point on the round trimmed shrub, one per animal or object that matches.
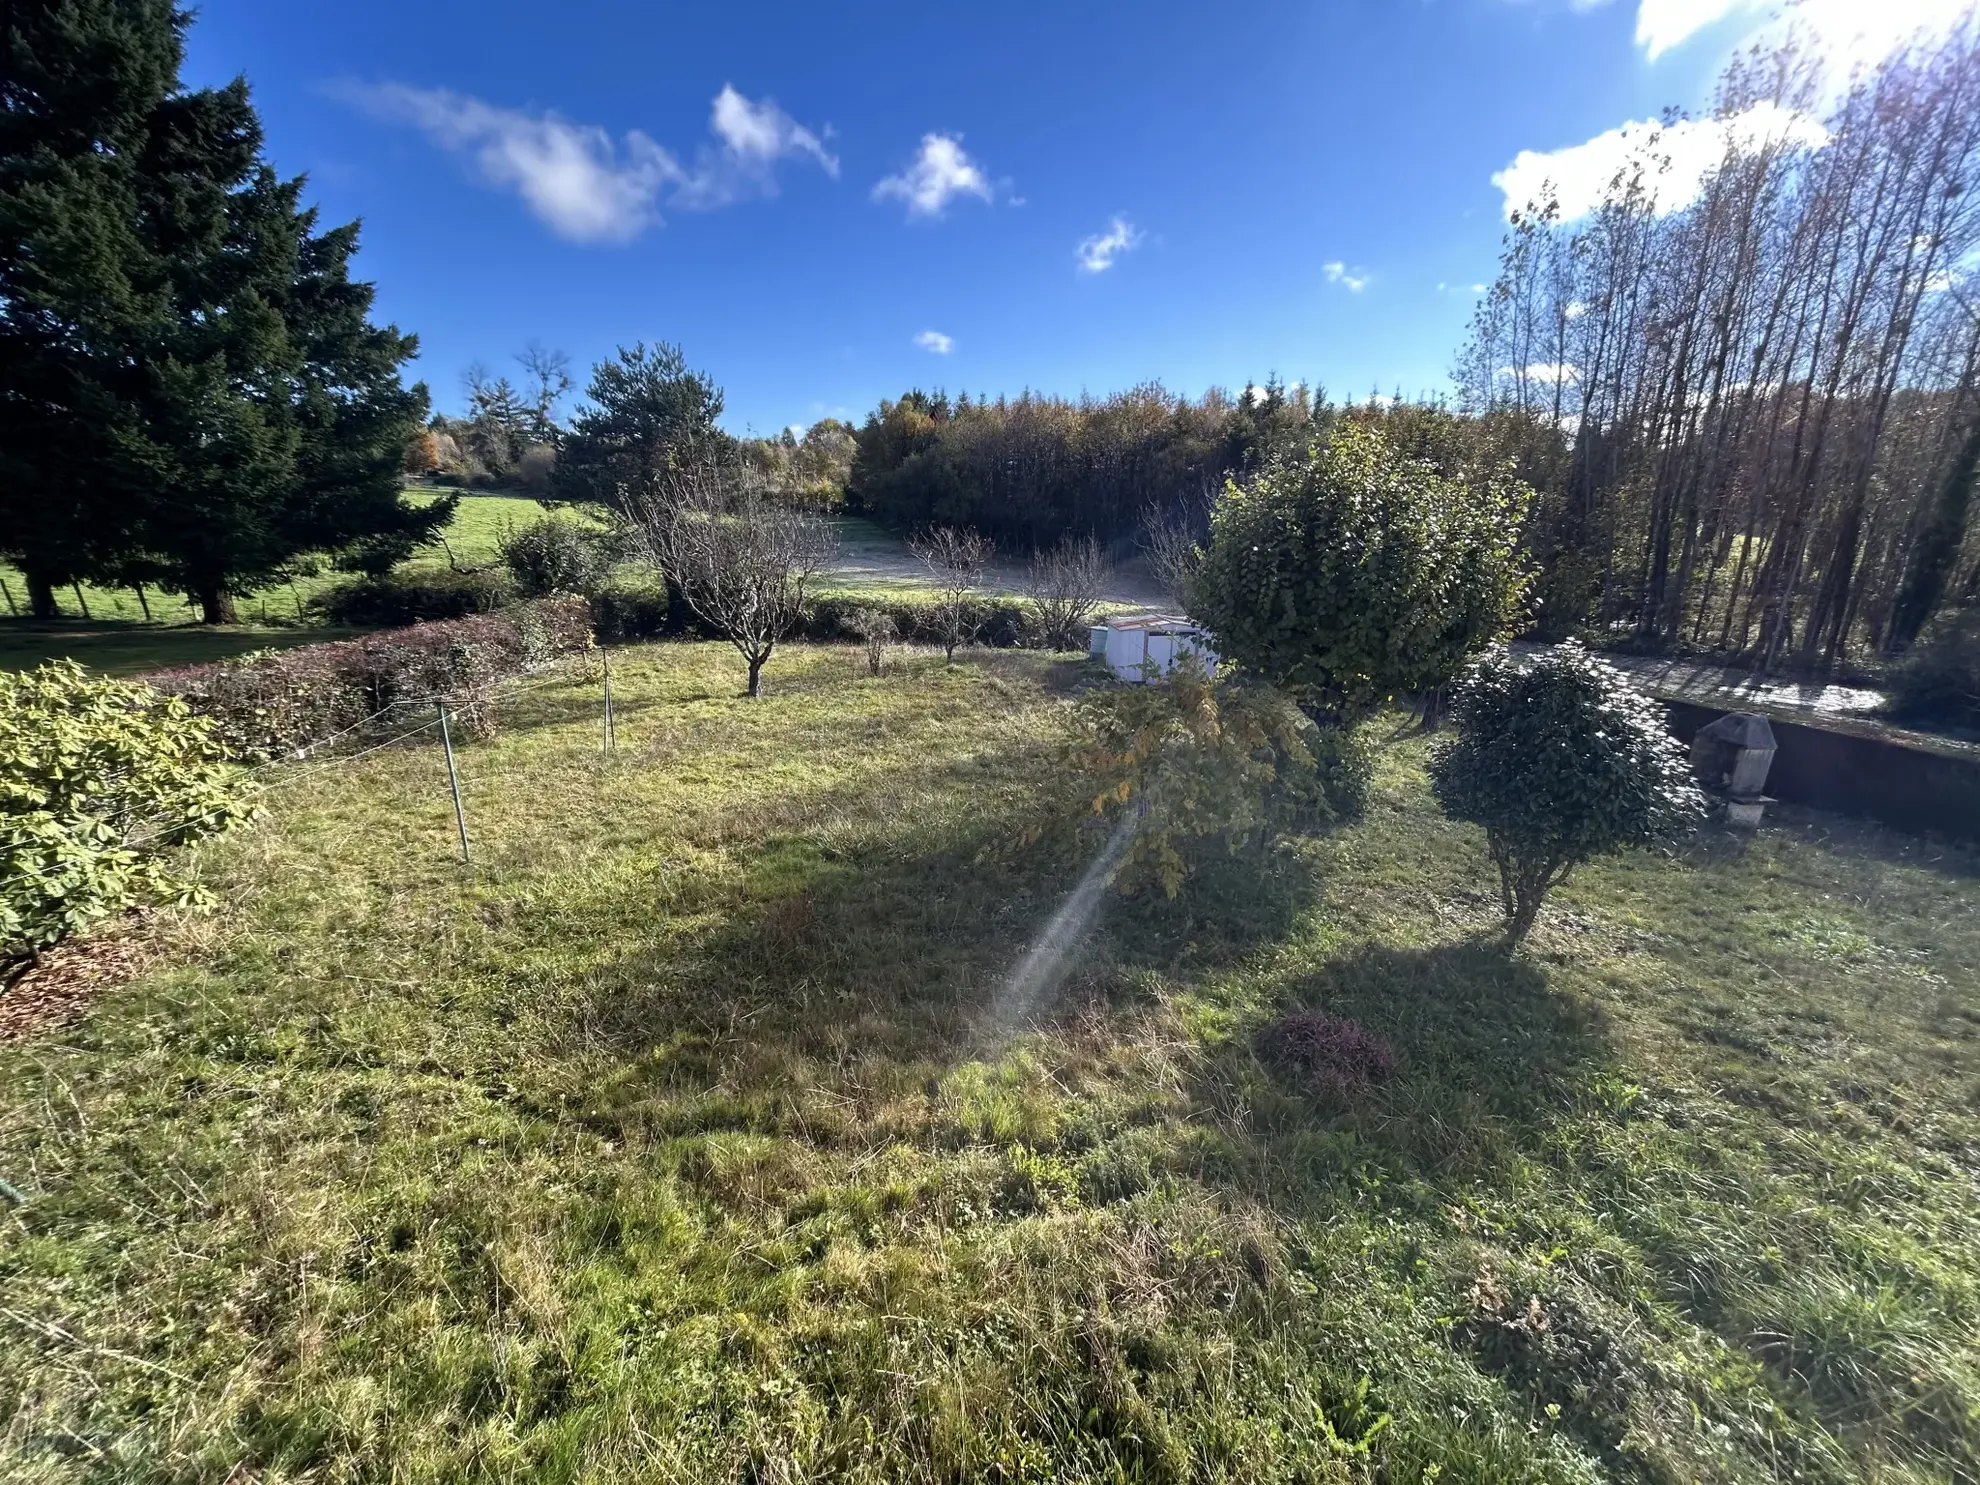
(1561, 760)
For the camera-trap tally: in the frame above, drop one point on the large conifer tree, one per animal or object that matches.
(230, 407)
(80, 82)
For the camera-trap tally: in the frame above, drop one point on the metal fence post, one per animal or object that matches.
(453, 781)
(610, 744)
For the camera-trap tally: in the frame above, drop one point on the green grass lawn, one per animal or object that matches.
(116, 637)
(697, 1132)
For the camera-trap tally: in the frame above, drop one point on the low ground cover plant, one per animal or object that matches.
(100, 781)
(1561, 760)
(1327, 1054)
(276, 702)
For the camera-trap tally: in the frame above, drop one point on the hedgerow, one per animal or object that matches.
(275, 702)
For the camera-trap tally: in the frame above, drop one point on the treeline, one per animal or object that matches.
(644, 410)
(1766, 398)
(1029, 469)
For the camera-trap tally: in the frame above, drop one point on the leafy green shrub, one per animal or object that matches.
(1561, 760)
(555, 555)
(415, 598)
(1939, 680)
(1203, 763)
(99, 779)
(278, 701)
(1349, 573)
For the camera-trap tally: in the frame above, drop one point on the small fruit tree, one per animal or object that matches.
(1349, 573)
(1561, 760)
(1198, 765)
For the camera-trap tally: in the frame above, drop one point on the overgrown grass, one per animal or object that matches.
(695, 1133)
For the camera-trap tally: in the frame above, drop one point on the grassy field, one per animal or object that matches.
(119, 640)
(701, 1131)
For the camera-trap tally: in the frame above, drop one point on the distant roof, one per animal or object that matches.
(1149, 621)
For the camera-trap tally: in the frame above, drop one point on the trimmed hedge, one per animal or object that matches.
(622, 612)
(1002, 623)
(415, 598)
(280, 701)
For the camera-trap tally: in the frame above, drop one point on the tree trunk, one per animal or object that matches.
(216, 605)
(41, 596)
(756, 675)
(1526, 907)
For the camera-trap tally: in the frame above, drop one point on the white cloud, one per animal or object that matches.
(939, 172)
(1579, 176)
(1550, 371)
(581, 183)
(763, 131)
(753, 138)
(1096, 254)
(935, 341)
(1663, 24)
(1849, 32)
(1338, 273)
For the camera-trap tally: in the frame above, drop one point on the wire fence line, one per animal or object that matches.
(292, 774)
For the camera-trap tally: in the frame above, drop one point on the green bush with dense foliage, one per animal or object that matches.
(99, 780)
(1202, 764)
(1561, 760)
(1349, 573)
(555, 555)
(1939, 680)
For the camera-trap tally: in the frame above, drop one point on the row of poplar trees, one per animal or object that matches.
(1768, 400)
(191, 391)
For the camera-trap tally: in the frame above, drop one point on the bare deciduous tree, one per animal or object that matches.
(744, 562)
(1063, 591)
(1763, 389)
(955, 557)
(878, 629)
(1171, 541)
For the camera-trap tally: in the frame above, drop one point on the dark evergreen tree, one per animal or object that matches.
(1936, 550)
(228, 406)
(80, 84)
(647, 417)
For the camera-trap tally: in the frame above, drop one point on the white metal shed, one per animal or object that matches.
(1146, 646)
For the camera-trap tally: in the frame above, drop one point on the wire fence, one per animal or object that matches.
(294, 767)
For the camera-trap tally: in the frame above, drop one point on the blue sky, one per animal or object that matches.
(827, 205)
